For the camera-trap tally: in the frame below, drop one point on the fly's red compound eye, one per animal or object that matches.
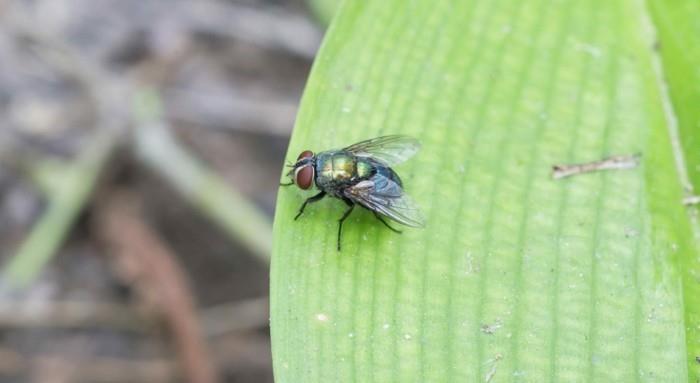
(304, 176)
(305, 154)
(304, 170)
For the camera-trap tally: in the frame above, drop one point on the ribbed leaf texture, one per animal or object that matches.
(517, 277)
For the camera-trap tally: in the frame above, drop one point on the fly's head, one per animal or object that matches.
(303, 171)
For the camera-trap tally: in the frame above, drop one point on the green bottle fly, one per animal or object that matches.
(360, 174)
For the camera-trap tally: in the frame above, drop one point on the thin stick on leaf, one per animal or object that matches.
(610, 163)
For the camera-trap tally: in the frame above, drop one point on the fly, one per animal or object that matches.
(361, 174)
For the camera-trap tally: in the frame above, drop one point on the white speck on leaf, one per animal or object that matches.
(593, 50)
(652, 315)
(491, 328)
(470, 268)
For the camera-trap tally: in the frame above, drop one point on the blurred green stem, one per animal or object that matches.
(67, 194)
(203, 188)
(324, 10)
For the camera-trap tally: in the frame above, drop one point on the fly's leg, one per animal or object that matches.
(315, 198)
(379, 217)
(287, 184)
(345, 215)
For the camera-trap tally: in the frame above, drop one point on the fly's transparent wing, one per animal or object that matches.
(386, 197)
(390, 150)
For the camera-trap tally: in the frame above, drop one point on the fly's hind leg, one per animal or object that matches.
(345, 215)
(315, 198)
(379, 217)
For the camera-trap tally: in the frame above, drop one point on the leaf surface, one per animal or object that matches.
(516, 277)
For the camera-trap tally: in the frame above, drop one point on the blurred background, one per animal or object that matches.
(141, 144)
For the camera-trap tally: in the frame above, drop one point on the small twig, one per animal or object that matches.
(610, 163)
(152, 268)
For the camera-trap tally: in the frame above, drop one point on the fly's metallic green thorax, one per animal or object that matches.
(361, 174)
(338, 169)
(336, 166)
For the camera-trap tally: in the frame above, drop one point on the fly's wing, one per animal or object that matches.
(384, 196)
(389, 150)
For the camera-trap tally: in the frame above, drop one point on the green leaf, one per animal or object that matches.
(517, 277)
(678, 26)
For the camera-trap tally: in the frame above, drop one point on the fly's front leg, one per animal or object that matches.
(315, 198)
(345, 215)
(379, 217)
